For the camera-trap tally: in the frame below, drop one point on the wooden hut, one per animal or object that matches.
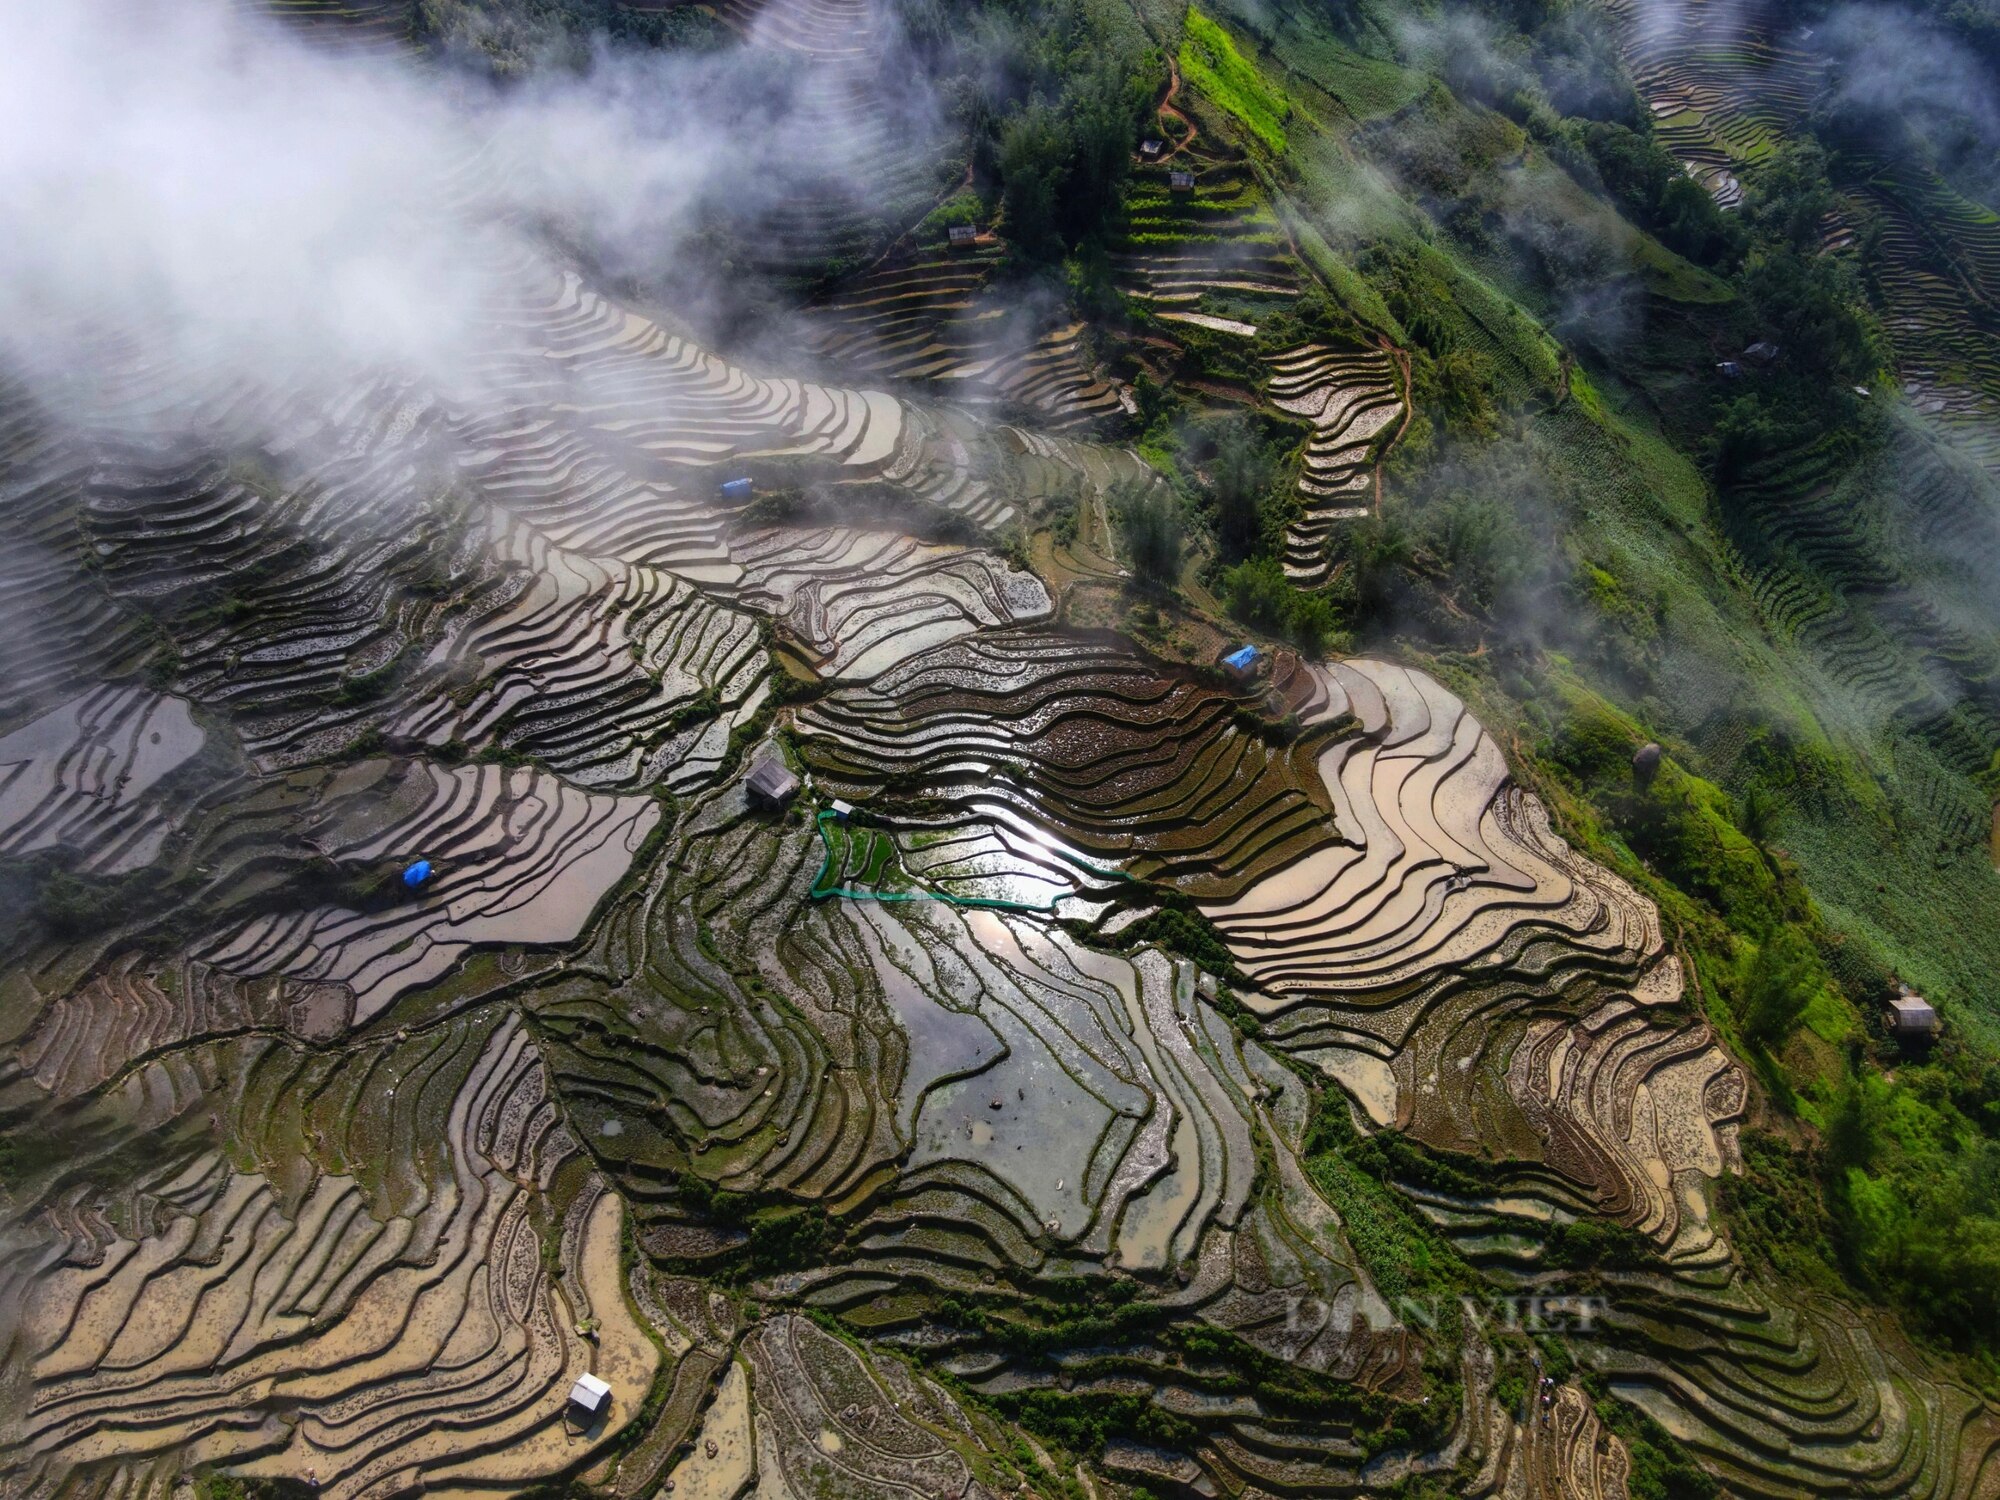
(771, 783)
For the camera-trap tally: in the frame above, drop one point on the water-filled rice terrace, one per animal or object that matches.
(347, 1181)
(984, 1120)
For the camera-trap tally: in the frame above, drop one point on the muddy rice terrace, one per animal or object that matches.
(581, 957)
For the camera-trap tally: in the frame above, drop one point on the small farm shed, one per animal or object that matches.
(771, 784)
(1242, 663)
(737, 489)
(589, 1396)
(962, 235)
(1180, 182)
(1730, 370)
(1151, 148)
(1762, 352)
(1912, 1019)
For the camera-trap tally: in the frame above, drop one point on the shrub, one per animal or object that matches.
(1780, 983)
(72, 907)
(1260, 595)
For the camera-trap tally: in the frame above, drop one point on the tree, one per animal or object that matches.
(1779, 985)
(1375, 553)
(1758, 816)
(1257, 593)
(1240, 478)
(1102, 109)
(1790, 198)
(1746, 430)
(1810, 305)
(1260, 595)
(1656, 191)
(1033, 156)
(1150, 532)
(1311, 622)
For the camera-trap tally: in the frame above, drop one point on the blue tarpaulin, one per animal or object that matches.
(736, 489)
(417, 873)
(1242, 659)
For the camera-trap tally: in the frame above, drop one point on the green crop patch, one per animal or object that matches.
(1210, 61)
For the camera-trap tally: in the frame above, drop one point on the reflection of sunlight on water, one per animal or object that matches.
(1012, 862)
(992, 855)
(1013, 886)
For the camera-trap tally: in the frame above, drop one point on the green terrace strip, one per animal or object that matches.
(1209, 60)
(821, 890)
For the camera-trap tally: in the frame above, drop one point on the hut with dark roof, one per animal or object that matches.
(771, 783)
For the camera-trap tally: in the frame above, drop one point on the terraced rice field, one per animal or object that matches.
(364, 27)
(1354, 402)
(1219, 236)
(931, 320)
(404, 1131)
(339, 1179)
(372, 1336)
(1211, 257)
(1726, 85)
(77, 777)
(1864, 574)
(1940, 302)
(866, 155)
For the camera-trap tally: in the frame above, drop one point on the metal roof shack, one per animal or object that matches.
(962, 234)
(1730, 369)
(1911, 1018)
(589, 1395)
(738, 489)
(770, 783)
(1242, 662)
(1150, 148)
(1180, 182)
(1763, 352)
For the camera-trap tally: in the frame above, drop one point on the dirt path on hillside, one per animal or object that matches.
(1173, 111)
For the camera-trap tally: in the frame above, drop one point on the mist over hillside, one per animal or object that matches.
(213, 188)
